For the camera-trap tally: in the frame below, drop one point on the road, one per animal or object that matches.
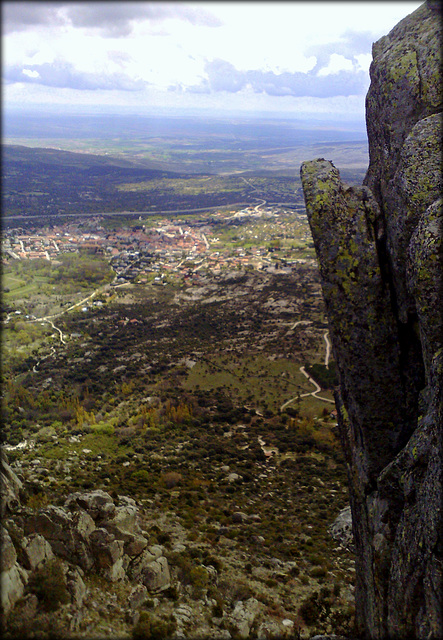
(124, 213)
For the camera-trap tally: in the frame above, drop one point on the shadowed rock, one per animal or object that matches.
(379, 249)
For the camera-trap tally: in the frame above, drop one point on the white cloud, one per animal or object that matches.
(363, 61)
(31, 74)
(336, 64)
(271, 52)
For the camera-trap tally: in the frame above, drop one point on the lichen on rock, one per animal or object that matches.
(379, 249)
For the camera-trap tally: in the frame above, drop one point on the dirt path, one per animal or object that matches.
(317, 390)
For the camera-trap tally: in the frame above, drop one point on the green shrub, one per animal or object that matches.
(199, 578)
(318, 572)
(140, 476)
(49, 585)
(103, 428)
(150, 627)
(316, 607)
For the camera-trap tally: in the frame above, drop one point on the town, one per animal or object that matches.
(161, 250)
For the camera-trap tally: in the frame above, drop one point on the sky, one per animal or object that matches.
(304, 58)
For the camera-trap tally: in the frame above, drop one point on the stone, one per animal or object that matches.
(379, 248)
(134, 544)
(242, 618)
(183, 616)
(238, 517)
(106, 549)
(138, 596)
(124, 520)
(53, 523)
(10, 486)
(67, 533)
(98, 504)
(341, 529)
(8, 556)
(12, 586)
(76, 587)
(155, 575)
(275, 630)
(126, 501)
(35, 551)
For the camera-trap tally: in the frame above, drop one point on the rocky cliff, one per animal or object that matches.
(380, 253)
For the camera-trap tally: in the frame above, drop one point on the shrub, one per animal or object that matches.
(150, 627)
(343, 621)
(199, 579)
(37, 501)
(316, 607)
(49, 585)
(171, 479)
(318, 572)
(140, 476)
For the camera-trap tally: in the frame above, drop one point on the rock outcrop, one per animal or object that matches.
(91, 533)
(379, 248)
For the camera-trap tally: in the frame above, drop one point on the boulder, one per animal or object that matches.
(12, 586)
(134, 544)
(138, 596)
(10, 486)
(155, 575)
(98, 504)
(76, 587)
(68, 534)
(52, 522)
(8, 556)
(275, 630)
(35, 551)
(124, 521)
(341, 529)
(108, 554)
(242, 618)
(82, 525)
(238, 517)
(151, 569)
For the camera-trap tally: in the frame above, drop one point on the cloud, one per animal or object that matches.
(336, 64)
(110, 19)
(63, 75)
(18, 16)
(223, 76)
(351, 45)
(31, 74)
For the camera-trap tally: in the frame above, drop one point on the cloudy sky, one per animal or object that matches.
(304, 57)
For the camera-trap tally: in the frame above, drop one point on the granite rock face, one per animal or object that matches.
(379, 248)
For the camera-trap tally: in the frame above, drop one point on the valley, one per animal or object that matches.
(182, 360)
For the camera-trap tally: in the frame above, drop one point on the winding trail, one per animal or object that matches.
(317, 390)
(299, 322)
(53, 351)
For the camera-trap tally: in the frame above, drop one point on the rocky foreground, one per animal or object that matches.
(88, 568)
